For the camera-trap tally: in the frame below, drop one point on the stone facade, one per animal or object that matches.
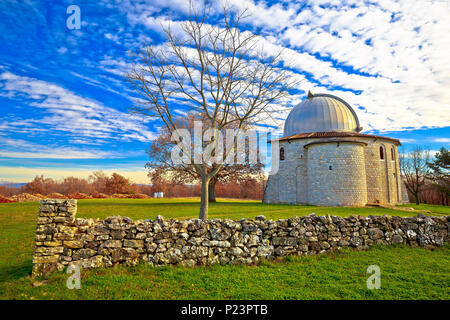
(337, 172)
(338, 168)
(62, 239)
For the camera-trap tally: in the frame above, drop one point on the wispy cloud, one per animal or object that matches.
(65, 111)
(17, 148)
(387, 58)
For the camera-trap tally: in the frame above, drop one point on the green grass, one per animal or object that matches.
(184, 208)
(430, 207)
(406, 273)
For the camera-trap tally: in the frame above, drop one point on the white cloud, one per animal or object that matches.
(62, 153)
(402, 86)
(67, 112)
(18, 148)
(394, 53)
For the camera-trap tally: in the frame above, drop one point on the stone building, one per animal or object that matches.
(326, 160)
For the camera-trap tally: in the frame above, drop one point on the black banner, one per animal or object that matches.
(218, 309)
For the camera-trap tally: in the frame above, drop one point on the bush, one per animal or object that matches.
(98, 195)
(130, 196)
(56, 195)
(6, 200)
(78, 195)
(23, 197)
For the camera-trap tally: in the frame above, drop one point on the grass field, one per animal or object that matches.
(429, 207)
(406, 273)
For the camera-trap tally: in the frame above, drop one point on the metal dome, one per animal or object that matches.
(321, 113)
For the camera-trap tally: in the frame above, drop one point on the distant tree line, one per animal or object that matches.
(427, 179)
(99, 183)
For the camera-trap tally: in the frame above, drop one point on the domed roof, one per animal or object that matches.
(321, 113)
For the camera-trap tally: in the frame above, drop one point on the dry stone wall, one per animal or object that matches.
(62, 239)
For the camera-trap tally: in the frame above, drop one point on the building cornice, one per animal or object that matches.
(335, 134)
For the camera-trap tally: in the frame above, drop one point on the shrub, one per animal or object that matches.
(6, 200)
(98, 195)
(78, 195)
(23, 197)
(56, 195)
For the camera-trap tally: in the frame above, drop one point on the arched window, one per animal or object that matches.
(392, 154)
(281, 153)
(381, 153)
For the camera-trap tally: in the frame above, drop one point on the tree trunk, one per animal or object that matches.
(212, 190)
(203, 215)
(416, 195)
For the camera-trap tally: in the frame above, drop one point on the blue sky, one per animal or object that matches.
(64, 101)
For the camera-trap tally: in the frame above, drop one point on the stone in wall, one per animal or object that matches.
(62, 239)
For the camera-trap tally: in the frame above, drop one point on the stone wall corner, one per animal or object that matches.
(54, 218)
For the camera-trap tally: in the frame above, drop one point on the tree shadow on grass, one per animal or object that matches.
(15, 272)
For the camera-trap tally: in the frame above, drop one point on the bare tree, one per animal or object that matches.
(218, 71)
(414, 168)
(98, 181)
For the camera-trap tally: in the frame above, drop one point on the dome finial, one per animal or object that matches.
(310, 94)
